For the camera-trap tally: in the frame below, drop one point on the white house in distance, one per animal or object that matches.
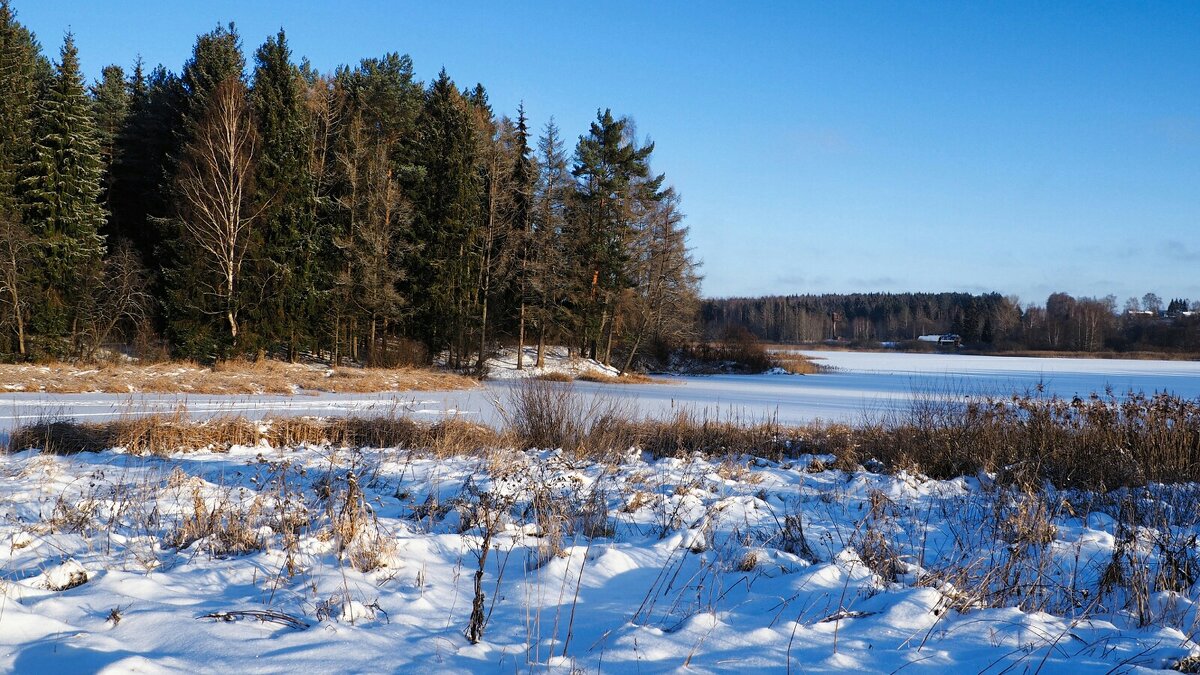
(944, 339)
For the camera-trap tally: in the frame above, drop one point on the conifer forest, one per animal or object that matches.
(251, 204)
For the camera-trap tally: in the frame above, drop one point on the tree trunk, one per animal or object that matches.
(541, 353)
(337, 336)
(371, 344)
(18, 318)
(521, 337)
(480, 365)
(383, 357)
(632, 352)
(608, 341)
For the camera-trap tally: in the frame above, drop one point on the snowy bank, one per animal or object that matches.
(318, 558)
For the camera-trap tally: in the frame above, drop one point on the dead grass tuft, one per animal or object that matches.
(796, 364)
(224, 529)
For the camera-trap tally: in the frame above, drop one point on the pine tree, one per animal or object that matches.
(613, 174)
(64, 189)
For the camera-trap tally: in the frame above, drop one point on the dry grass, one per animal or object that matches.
(623, 378)
(1100, 443)
(163, 435)
(231, 377)
(556, 376)
(796, 364)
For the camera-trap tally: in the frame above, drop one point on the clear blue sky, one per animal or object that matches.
(1024, 148)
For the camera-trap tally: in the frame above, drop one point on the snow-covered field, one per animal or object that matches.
(861, 384)
(364, 561)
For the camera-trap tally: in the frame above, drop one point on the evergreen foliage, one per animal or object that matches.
(361, 214)
(62, 191)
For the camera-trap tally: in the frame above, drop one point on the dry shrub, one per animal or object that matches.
(1026, 520)
(748, 562)
(225, 529)
(78, 516)
(794, 363)
(873, 538)
(353, 525)
(556, 376)
(540, 414)
(686, 433)
(165, 434)
(792, 537)
(623, 378)
(1098, 443)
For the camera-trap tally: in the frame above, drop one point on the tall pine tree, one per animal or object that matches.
(613, 174)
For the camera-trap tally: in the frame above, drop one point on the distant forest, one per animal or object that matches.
(989, 321)
(278, 210)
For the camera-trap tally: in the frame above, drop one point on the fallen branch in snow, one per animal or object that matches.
(265, 616)
(846, 614)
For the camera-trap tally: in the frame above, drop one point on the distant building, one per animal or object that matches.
(945, 339)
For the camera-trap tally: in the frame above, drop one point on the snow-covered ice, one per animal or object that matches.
(861, 383)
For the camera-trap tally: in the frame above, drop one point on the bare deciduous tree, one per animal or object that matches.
(16, 250)
(123, 296)
(215, 183)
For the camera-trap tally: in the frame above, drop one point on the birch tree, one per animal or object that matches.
(215, 186)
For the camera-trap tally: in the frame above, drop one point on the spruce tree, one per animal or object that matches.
(111, 97)
(19, 81)
(445, 201)
(524, 176)
(216, 56)
(63, 191)
(288, 265)
(21, 68)
(144, 160)
(551, 261)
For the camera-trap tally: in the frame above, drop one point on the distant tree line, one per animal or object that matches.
(988, 321)
(276, 210)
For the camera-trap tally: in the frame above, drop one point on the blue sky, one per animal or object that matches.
(1024, 148)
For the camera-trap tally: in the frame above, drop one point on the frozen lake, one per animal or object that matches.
(863, 383)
